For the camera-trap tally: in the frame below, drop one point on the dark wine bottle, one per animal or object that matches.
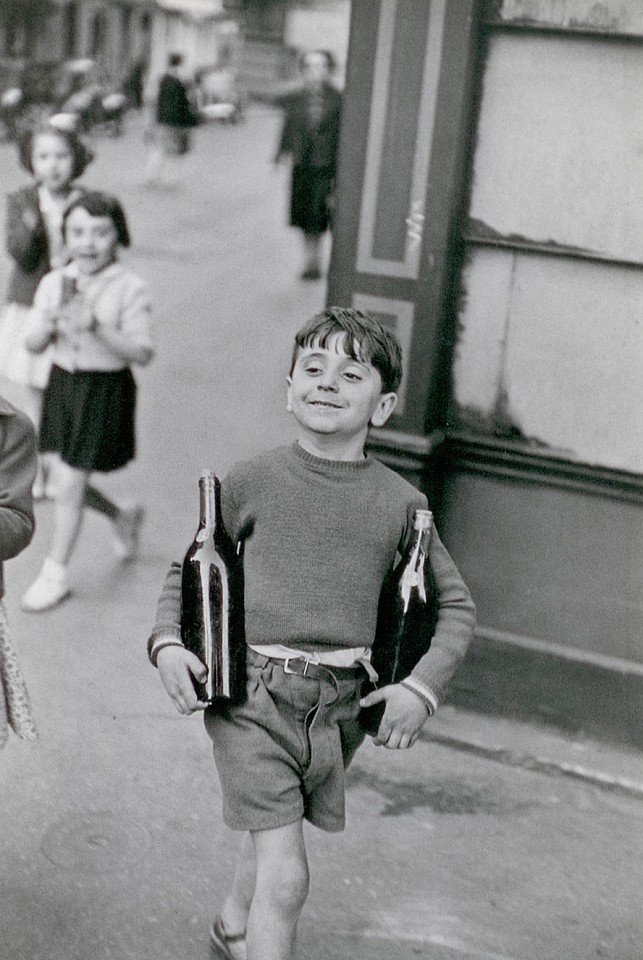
(212, 619)
(406, 617)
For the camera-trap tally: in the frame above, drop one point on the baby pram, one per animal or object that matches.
(218, 96)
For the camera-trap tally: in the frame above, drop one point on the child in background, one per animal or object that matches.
(320, 523)
(55, 158)
(97, 315)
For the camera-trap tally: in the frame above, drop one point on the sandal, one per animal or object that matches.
(220, 940)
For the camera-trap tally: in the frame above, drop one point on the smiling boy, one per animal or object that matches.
(320, 523)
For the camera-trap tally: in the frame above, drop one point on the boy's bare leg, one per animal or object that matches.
(235, 910)
(280, 892)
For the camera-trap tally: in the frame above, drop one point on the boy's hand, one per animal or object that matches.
(177, 666)
(404, 716)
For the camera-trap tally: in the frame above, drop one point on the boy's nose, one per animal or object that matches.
(328, 382)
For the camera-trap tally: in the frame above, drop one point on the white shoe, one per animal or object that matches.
(48, 589)
(127, 530)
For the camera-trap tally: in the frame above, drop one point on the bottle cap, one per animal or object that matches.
(422, 520)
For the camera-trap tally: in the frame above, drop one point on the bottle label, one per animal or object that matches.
(413, 579)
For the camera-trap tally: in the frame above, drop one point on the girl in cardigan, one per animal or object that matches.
(97, 315)
(55, 158)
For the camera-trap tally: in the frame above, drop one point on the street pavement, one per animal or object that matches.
(490, 839)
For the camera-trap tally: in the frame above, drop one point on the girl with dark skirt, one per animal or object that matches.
(97, 316)
(55, 159)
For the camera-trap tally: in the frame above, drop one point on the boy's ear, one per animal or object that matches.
(288, 399)
(385, 407)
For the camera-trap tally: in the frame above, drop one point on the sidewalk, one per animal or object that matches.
(539, 747)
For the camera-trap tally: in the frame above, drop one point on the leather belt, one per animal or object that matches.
(301, 667)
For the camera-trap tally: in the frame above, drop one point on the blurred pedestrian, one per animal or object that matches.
(134, 84)
(174, 118)
(310, 136)
(97, 314)
(17, 470)
(55, 158)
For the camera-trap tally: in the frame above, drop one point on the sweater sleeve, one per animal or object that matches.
(17, 471)
(26, 243)
(135, 317)
(167, 625)
(453, 631)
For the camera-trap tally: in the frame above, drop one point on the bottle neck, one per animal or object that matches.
(422, 538)
(208, 504)
(422, 525)
(413, 573)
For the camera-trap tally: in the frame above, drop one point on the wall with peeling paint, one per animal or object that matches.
(551, 318)
(619, 16)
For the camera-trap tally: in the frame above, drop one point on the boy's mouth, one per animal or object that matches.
(325, 403)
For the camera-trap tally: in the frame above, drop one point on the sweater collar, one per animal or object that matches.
(330, 468)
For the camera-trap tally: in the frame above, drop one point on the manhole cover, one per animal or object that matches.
(97, 842)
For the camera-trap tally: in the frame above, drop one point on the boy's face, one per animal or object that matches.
(332, 395)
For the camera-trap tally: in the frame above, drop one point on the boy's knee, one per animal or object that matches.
(291, 889)
(286, 882)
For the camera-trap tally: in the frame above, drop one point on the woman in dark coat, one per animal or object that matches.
(174, 117)
(310, 135)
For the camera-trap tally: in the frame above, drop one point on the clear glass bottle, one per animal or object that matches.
(406, 618)
(212, 621)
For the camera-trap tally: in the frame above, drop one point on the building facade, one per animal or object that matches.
(490, 209)
(113, 34)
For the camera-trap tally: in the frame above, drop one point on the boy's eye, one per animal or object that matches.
(352, 375)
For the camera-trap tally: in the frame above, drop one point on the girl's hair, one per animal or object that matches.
(82, 156)
(99, 204)
(365, 340)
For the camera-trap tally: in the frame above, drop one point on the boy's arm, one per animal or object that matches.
(453, 631)
(410, 702)
(167, 626)
(176, 665)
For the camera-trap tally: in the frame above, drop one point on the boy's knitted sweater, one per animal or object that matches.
(318, 538)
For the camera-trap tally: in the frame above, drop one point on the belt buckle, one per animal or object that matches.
(295, 673)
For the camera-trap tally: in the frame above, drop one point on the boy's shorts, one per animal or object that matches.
(281, 755)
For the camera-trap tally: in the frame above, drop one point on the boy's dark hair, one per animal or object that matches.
(99, 204)
(82, 156)
(365, 340)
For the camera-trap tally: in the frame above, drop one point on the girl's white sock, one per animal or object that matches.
(54, 570)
